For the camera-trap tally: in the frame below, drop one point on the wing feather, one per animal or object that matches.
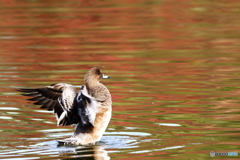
(68, 106)
(87, 107)
(59, 98)
(42, 102)
(39, 98)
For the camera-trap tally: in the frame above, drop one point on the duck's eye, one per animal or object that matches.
(98, 72)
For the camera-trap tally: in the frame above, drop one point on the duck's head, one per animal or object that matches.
(93, 76)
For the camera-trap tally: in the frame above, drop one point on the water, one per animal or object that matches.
(174, 68)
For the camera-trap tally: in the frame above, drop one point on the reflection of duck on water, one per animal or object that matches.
(85, 152)
(90, 109)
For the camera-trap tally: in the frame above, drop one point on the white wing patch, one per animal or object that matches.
(91, 109)
(62, 116)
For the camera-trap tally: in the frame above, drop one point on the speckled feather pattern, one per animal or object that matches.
(102, 94)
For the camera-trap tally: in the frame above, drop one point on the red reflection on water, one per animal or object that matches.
(154, 52)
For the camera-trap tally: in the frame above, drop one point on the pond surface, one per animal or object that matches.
(174, 67)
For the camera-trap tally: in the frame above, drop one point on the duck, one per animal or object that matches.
(89, 109)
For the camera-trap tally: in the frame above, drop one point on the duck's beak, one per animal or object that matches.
(105, 76)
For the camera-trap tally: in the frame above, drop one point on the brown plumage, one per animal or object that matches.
(89, 109)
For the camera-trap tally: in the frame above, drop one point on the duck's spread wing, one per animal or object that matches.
(58, 97)
(87, 110)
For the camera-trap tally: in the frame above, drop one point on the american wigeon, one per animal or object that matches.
(90, 109)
